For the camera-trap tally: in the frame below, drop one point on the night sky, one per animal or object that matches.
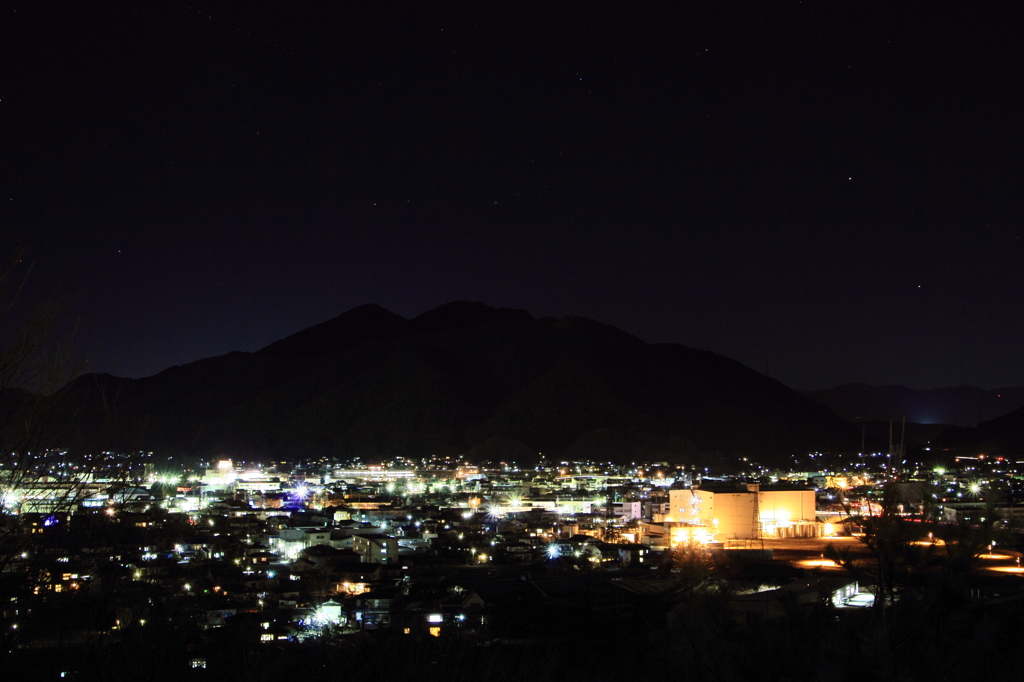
(831, 192)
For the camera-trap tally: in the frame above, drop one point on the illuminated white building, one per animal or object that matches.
(47, 496)
(746, 512)
(223, 476)
(258, 484)
(372, 474)
(565, 505)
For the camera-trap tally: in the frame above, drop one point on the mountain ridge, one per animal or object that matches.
(464, 378)
(963, 405)
(1001, 437)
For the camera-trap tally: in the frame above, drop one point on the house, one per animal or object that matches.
(348, 582)
(325, 557)
(261, 558)
(375, 548)
(373, 610)
(459, 612)
(779, 602)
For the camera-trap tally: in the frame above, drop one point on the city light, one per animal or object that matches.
(690, 534)
(819, 563)
(544, 521)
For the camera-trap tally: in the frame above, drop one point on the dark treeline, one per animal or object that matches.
(943, 637)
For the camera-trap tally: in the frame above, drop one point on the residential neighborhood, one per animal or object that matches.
(486, 553)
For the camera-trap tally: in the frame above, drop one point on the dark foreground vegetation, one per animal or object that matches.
(944, 636)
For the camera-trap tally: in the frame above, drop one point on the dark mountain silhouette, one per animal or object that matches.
(462, 378)
(958, 405)
(345, 331)
(913, 436)
(1001, 437)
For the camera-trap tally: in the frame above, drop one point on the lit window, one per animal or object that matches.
(435, 618)
(435, 631)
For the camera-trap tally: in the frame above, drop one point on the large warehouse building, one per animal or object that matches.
(748, 511)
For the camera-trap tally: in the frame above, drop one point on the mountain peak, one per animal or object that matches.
(344, 331)
(464, 314)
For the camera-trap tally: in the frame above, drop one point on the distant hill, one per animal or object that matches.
(463, 378)
(959, 405)
(1002, 436)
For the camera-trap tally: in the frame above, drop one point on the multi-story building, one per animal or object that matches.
(746, 512)
(375, 548)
